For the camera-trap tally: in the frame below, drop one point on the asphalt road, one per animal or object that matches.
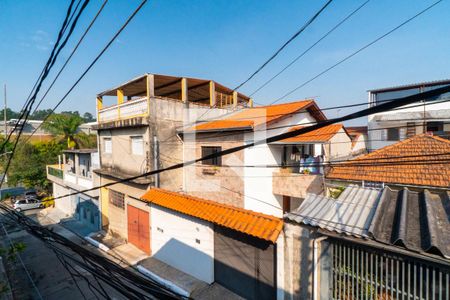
(36, 273)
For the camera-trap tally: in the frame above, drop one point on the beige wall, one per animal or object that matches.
(297, 185)
(121, 158)
(339, 146)
(117, 217)
(221, 184)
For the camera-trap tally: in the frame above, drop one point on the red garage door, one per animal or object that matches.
(139, 228)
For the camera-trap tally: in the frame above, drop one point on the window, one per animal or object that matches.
(393, 134)
(117, 199)
(207, 150)
(107, 144)
(137, 145)
(435, 127)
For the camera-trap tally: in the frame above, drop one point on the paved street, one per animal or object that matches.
(32, 278)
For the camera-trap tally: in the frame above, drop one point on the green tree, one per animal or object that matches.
(88, 117)
(28, 166)
(10, 114)
(40, 114)
(64, 126)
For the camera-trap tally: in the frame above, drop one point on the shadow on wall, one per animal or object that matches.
(239, 269)
(187, 259)
(85, 219)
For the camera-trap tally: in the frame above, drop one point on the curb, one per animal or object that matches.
(97, 244)
(168, 284)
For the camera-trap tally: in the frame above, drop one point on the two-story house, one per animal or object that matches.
(136, 130)
(227, 220)
(75, 173)
(389, 127)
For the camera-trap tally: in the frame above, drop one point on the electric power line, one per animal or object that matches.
(377, 109)
(358, 51)
(285, 44)
(309, 48)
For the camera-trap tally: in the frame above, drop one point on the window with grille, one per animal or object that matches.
(107, 145)
(137, 145)
(117, 199)
(208, 150)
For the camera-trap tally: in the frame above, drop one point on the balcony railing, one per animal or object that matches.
(56, 171)
(133, 108)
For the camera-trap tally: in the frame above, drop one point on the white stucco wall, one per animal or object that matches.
(183, 242)
(64, 204)
(258, 181)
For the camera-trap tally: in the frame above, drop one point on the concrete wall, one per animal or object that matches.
(222, 184)
(340, 146)
(121, 158)
(64, 204)
(360, 145)
(183, 242)
(297, 185)
(116, 216)
(298, 262)
(259, 194)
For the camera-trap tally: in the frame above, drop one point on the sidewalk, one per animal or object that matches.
(128, 255)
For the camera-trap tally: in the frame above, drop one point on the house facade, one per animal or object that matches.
(75, 173)
(268, 178)
(136, 131)
(389, 127)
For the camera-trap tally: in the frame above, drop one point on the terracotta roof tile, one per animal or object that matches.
(252, 223)
(250, 118)
(414, 170)
(323, 134)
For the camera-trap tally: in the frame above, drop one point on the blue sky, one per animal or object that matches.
(226, 41)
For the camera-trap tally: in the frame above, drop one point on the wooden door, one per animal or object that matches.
(139, 228)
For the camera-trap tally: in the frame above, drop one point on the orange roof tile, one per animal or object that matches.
(323, 134)
(252, 223)
(383, 166)
(250, 118)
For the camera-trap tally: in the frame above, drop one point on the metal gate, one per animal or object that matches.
(243, 264)
(139, 228)
(367, 273)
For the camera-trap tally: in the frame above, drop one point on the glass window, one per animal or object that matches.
(117, 199)
(207, 150)
(107, 145)
(393, 134)
(137, 145)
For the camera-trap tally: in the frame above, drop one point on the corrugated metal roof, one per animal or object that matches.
(406, 86)
(417, 221)
(252, 223)
(350, 214)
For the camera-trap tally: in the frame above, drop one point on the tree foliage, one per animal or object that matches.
(28, 166)
(64, 126)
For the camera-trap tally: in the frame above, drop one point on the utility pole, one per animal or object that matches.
(4, 116)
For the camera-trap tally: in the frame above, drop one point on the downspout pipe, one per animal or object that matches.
(316, 243)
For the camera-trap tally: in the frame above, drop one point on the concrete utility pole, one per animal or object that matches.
(4, 116)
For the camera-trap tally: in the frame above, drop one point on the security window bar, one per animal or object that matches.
(117, 199)
(359, 272)
(208, 150)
